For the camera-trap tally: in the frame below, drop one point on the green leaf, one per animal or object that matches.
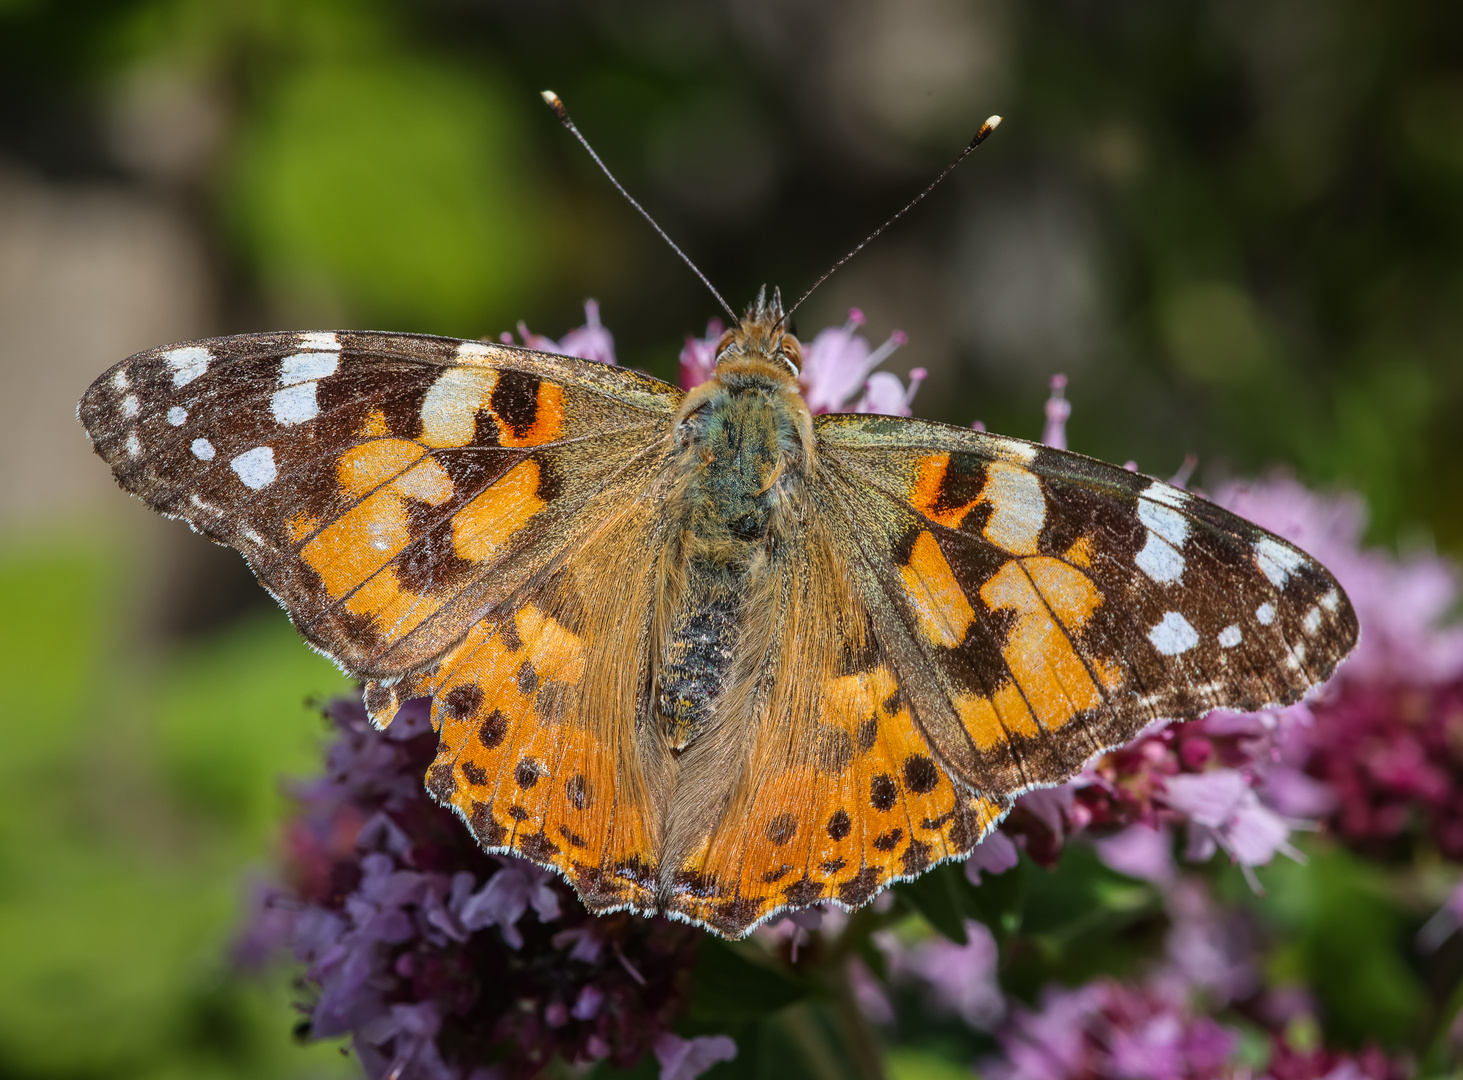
(939, 895)
(909, 1064)
(730, 987)
(1344, 935)
(999, 899)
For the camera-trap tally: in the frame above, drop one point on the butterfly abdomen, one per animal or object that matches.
(745, 460)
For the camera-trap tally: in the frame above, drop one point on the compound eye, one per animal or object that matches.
(792, 349)
(725, 342)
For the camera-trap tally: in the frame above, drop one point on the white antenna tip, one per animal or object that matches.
(553, 102)
(993, 122)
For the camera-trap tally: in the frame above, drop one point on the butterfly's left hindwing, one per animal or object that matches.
(1041, 606)
(387, 488)
(541, 710)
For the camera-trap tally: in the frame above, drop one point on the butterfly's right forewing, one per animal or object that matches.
(1043, 607)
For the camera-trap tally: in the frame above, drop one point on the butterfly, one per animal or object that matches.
(704, 653)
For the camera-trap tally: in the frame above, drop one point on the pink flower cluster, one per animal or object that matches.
(1386, 739)
(1376, 757)
(1109, 1029)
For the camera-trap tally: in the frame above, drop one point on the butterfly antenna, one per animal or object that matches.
(989, 126)
(563, 115)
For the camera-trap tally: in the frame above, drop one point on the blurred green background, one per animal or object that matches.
(1237, 226)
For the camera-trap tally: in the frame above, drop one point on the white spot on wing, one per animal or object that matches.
(177, 415)
(119, 380)
(1164, 520)
(319, 340)
(1018, 508)
(473, 352)
(1230, 636)
(134, 448)
(1312, 621)
(299, 367)
(295, 404)
(256, 467)
(202, 449)
(451, 404)
(1265, 613)
(1173, 635)
(1167, 531)
(1277, 561)
(1331, 601)
(187, 363)
(1015, 450)
(1160, 561)
(1167, 494)
(130, 406)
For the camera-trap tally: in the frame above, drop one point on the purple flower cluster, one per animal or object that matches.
(1377, 756)
(1385, 741)
(1109, 1029)
(592, 341)
(838, 364)
(444, 963)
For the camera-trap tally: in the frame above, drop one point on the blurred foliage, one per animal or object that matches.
(1265, 207)
(1236, 224)
(417, 151)
(133, 801)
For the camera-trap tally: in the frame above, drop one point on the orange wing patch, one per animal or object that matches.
(523, 775)
(1013, 493)
(931, 493)
(482, 528)
(375, 530)
(940, 607)
(1047, 683)
(872, 806)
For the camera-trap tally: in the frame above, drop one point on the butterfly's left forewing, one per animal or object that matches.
(387, 488)
(1041, 606)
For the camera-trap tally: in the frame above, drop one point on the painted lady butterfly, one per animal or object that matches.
(704, 653)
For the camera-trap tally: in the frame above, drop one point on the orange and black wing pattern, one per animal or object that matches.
(1040, 607)
(822, 786)
(441, 517)
(387, 488)
(540, 709)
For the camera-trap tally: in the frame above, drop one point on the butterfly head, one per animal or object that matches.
(762, 336)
